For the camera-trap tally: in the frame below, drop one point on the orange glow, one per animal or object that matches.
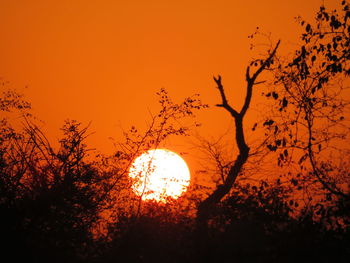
(159, 174)
(103, 61)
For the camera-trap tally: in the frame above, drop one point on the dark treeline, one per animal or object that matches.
(69, 204)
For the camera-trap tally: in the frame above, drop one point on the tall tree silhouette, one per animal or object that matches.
(309, 94)
(205, 207)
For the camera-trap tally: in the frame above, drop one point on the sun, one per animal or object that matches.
(159, 174)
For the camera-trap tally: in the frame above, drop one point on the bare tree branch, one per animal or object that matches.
(205, 207)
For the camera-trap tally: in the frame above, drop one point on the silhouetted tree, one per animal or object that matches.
(148, 231)
(48, 197)
(307, 93)
(309, 123)
(172, 119)
(206, 206)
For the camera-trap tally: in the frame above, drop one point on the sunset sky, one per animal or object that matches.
(103, 61)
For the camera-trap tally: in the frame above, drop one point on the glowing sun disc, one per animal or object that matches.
(159, 174)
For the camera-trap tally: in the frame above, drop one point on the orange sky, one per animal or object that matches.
(103, 61)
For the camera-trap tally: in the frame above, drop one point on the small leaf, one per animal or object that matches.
(268, 123)
(308, 27)
(275, 95)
